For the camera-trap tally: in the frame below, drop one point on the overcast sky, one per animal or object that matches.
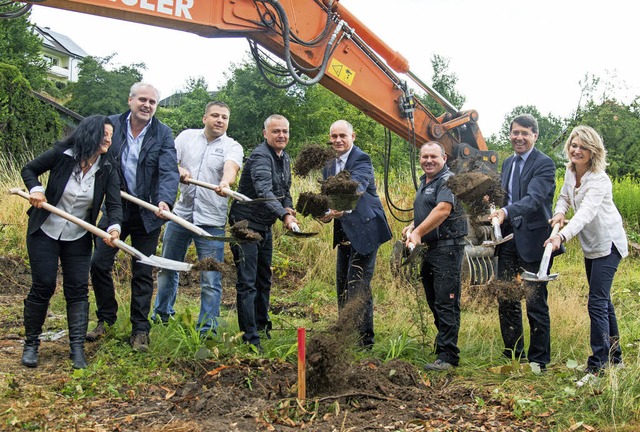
(505, 53)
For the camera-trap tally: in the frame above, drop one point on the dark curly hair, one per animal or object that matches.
(87, 137)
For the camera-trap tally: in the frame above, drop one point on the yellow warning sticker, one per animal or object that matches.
(342, 72)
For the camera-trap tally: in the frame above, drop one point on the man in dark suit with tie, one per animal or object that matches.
(357, 233)
(528, 176)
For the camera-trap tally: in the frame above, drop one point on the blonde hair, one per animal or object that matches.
(591, 140)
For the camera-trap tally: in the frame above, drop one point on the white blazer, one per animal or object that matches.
(596, 220)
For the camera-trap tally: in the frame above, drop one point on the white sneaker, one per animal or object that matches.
(589, 378)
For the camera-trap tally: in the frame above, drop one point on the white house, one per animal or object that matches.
(62, 53)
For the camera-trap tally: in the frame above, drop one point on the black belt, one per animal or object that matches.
(446, 242)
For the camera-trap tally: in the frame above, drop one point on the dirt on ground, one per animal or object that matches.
(241, 394)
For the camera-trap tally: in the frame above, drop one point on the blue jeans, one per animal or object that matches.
(354, 272)
(253, 267)
(175, 243)
(440, 274)
(604, 325)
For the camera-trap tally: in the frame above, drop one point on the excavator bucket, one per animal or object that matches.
(478, 264)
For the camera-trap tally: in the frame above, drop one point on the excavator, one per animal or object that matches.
(319, 41)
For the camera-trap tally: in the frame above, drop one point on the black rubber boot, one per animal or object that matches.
(78, 321)
(34, 316)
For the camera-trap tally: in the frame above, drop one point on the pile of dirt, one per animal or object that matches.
(312, 157)
(241, 231)
(15, 275)
(312, 204)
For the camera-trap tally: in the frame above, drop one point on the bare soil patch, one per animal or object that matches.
(238, 394)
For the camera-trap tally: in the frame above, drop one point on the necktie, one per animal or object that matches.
(515, 181)
(339, 166)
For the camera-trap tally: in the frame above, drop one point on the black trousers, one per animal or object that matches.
(74, 256)
(510, 311)
(354, 272)
(440, 274)
(253, 288)
(141, 278)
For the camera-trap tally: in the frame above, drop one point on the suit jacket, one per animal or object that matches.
(530, 215)
(366, 226)
(157, 176)
(60, 167)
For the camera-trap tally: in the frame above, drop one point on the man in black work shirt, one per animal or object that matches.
(440, 224)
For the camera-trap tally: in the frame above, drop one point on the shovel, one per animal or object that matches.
(177, 219)
(542, 275)
(296, 232)
(233, 194)
(497, 233)
(412, 252)
(152, 260)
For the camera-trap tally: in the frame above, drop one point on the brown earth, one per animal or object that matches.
(240, 393)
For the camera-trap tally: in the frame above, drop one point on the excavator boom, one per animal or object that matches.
(319, 39)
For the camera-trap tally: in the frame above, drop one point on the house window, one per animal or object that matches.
(53, 61)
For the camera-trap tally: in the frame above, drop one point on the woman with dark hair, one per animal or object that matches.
(81, 177)
(597, 223)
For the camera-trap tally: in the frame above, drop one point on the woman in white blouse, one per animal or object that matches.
(81, 178)
(598, 224)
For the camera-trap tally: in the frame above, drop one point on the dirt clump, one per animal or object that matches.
(207, 264)
(241, 231)
(312, 204)
(312, 157)
(510, 290)
(477, 191)
(339, 184)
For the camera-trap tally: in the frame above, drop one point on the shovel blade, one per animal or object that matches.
(165, 263)
(534, 277)
(301, 234)
(497, 242)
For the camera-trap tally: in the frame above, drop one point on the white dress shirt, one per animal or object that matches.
(596, 221)
(205, 161)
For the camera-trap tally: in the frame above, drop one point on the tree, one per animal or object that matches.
(27, 125)
(20, 46)
(444, 82)
(188, 114)
(102, 91)
(617, 123)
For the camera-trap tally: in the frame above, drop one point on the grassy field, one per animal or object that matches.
(304, 277)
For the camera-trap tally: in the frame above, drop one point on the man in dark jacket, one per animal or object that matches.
(439, 224)
(529, 178)
(266, 174)
(358, 233)
(144, 149)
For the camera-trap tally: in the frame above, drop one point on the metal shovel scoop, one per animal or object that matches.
(152, 260)
(233, 194)
(410, 252)
(497, 233)
(542, 275)
(296, 232)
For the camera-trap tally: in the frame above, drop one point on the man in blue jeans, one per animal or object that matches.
(207, 155)
(440, 224)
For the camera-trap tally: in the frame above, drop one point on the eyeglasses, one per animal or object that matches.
(523, 134)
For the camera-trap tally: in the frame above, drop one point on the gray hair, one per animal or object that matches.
(273, 117)
(137, 86)
(343, 122)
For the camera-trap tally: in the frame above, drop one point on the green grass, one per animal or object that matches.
(403, 323)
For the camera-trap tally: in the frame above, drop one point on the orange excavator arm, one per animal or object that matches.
(319, 41)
